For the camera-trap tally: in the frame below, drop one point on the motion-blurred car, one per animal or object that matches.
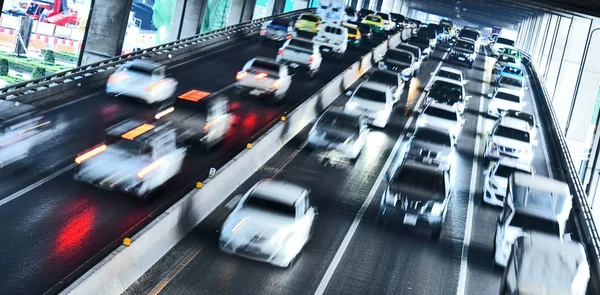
(502, 60)
(464, 51)
(262, 75)
(423, 44)
(449, 73)
(496, 179)
(300, 54)
(351, 15)
(505, 99)
(199, 117)
(443, 117)
(473, 35)
(372, 102)
(512, 52)
(499, 43)
(332, 39)
(376, 23)
(354, 36)
(388, 23)
(272, 223)
(524, 116)
(447, 91)
(532, 204)
(135, 158)
(143, 80)
(388, 79)
(401, 62)
(513, 82)
(337, 130)
(416, 51)
(511, 69)
(511, 138)
(419, 194)
(431, 146)
(21, 126)
(308, 22)
(429, 34)
(279, 29)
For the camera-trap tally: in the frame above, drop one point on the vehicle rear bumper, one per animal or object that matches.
(399, 215)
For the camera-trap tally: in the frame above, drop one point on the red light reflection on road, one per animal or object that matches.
(75, 232)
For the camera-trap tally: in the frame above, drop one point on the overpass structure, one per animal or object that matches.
(63, 236)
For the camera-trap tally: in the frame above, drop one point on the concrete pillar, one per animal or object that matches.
(106, 30)
(366, 4)
(549, 45)
(278, 6)
(240, 11)
(537, 39)
(397, 7)
(557, 53)
(187, 18)
(540, 39)
(567, 77)
(404, 9)
(378, 4)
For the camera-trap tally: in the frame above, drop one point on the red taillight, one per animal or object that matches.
(260, 76)
(288, 37)
(311, 58)
(117, 77)
(262, 32)
(241, 75)
(93, 152)
(280, 52)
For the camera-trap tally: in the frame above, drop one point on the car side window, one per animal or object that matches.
(300, 207)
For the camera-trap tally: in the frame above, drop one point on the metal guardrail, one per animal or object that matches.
(74, 76)
(582, 214)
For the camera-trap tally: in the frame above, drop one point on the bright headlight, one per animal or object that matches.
(437, 209)
(351, 105)
(390, 199)
(421, 121)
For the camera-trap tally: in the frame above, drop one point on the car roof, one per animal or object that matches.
(13, 109)
(421, 167)
(514, 163)
(278, 191)
(442, 79)
(143, 64)
(466, 40)
(513, 76)
(510, 91)
(339, 112)
(401, 50)
(513, 65)
(451, 70)
(434, 130)
(136, 130)
(442, 106)
(266, 60)
(407, 45)
(514, 123)
(542, 187)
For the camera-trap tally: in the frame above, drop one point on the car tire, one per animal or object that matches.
(313, 73)
(470, 65)
(436, 232)
(407, 84)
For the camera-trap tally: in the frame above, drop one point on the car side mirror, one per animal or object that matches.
(467, 98)
(349, 93)
(234, 202)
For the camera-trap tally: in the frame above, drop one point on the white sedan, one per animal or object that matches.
(143, 80)
(272, 223)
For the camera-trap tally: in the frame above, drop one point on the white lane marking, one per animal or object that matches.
(37, 184)
(359, 215)
(540, 133)
(462, 276)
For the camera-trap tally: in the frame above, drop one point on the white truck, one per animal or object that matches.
(300, 54)
(265, 76)
(135, 158)
(332, 39)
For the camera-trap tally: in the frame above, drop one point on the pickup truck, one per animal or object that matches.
(300, 54)
(135, 158)
(332, 39)
(264, 76)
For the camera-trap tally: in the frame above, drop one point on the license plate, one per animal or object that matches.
(410, 219)
(255, 92)
(294, 65)
(428, 160)
(461, 58)
(326, 49)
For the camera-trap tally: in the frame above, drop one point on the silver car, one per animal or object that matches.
(337, 130)
(432, 146)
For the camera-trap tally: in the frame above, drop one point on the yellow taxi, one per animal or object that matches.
(308, 22)
(354, 36)
(375, 21)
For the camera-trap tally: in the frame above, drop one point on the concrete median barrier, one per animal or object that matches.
(125, 265)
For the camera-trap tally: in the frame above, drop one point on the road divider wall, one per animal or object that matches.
(118, 271)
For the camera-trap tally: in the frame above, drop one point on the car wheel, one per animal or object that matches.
(407, 84)
(436, 232)
(470, 65)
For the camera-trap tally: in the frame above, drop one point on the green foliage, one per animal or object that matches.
(216, 15)
(12, 80)
(22, 64)
(64, 56)
(38, 72)
(49, 56)
(162, 13)
(3, 67)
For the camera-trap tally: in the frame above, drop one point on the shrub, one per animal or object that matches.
(49, 56)
(3, 67)
(38, 72)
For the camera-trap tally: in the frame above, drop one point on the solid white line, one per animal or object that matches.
(540, 134)
(462, 276)
(359, 215)
(37, 184)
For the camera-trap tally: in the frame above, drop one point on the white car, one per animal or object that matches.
(473, 35)
(21, 128)
(300, 54)
(496, 179)
(505, 99)
(431, 146)
(388, 79)
(388, 22)
(272, 222)
(443, 117)
(451, 74)
(265, 76)
(373, 103)
(500, 43)
(450, 92)
(416, 51)
(524, 116)
(143, 80)
(332, 39)
(511, 138)
(532, 204)
(510, 81)
(135, 158)
(336, 130)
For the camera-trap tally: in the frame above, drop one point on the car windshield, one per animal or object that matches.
(432, 136)
(513, 70)
(465, 45)
(511, 133)
(449, 75)
(131, 147)
(364, 28)
(431, 184)
(266, 66)
(398, 56)
(534, 223)
(440, 113)
(280, 22)
(388, 78)
(521, 116)
(468, 34)
(262, 203)
(397, 17)
(444, 91)
(506, 58)
(308, 17)
(383, 15)
(506, 171)
(139, 70)
(370, 94)
(302, 44)
(505, 41)
(351, 30)
(509, 81)
(339, 121)
(508, 97)
(426, 32)
(373, 19)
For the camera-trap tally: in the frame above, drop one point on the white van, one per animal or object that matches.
(332, 39)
